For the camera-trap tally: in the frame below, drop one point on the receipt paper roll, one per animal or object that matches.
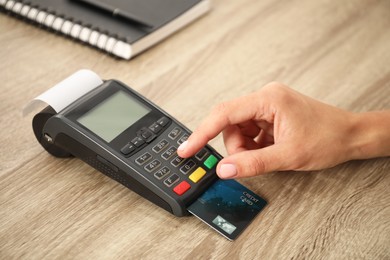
(65, 92)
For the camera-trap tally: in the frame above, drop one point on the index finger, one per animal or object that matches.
(227, 113)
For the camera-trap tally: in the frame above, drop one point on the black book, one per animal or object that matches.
(123, 28)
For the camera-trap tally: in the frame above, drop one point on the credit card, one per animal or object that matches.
(228, 207)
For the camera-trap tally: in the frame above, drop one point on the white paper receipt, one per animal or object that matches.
(66, 91)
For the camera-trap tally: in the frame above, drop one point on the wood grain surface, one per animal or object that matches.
(335, 51)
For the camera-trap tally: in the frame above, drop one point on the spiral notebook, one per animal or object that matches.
(92, 22)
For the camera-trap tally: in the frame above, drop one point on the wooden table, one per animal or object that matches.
(335, 51)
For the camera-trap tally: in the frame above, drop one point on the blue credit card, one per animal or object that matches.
(228, 207)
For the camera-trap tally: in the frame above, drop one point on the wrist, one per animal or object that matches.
(370, 135)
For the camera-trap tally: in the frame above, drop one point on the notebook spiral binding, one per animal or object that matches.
(69, 28)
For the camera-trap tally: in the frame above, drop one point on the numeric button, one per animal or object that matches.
(162, 172)
(143, 158)
(169, 153)
(182, 139)
(187, 167)
(175, 132)
(152, 165)
(177, 161)
(160, 146)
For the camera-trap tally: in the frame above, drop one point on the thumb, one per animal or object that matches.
(252, 162)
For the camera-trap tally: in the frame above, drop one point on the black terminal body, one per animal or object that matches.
(131, 140)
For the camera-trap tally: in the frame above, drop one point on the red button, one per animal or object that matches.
(182, 188)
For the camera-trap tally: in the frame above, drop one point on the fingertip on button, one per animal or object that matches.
(183, 146)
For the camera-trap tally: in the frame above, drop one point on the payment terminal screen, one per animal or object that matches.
(114, 115)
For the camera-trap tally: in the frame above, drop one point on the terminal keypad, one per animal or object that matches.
(162, 162)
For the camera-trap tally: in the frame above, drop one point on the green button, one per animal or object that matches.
(211, 161)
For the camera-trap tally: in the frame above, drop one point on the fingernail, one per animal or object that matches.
(182, 147)
(227, 171)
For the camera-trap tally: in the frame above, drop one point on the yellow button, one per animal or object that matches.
(197, 174)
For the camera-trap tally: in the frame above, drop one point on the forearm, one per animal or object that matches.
(371, 135)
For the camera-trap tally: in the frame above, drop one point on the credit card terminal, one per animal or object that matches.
(131, 140)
